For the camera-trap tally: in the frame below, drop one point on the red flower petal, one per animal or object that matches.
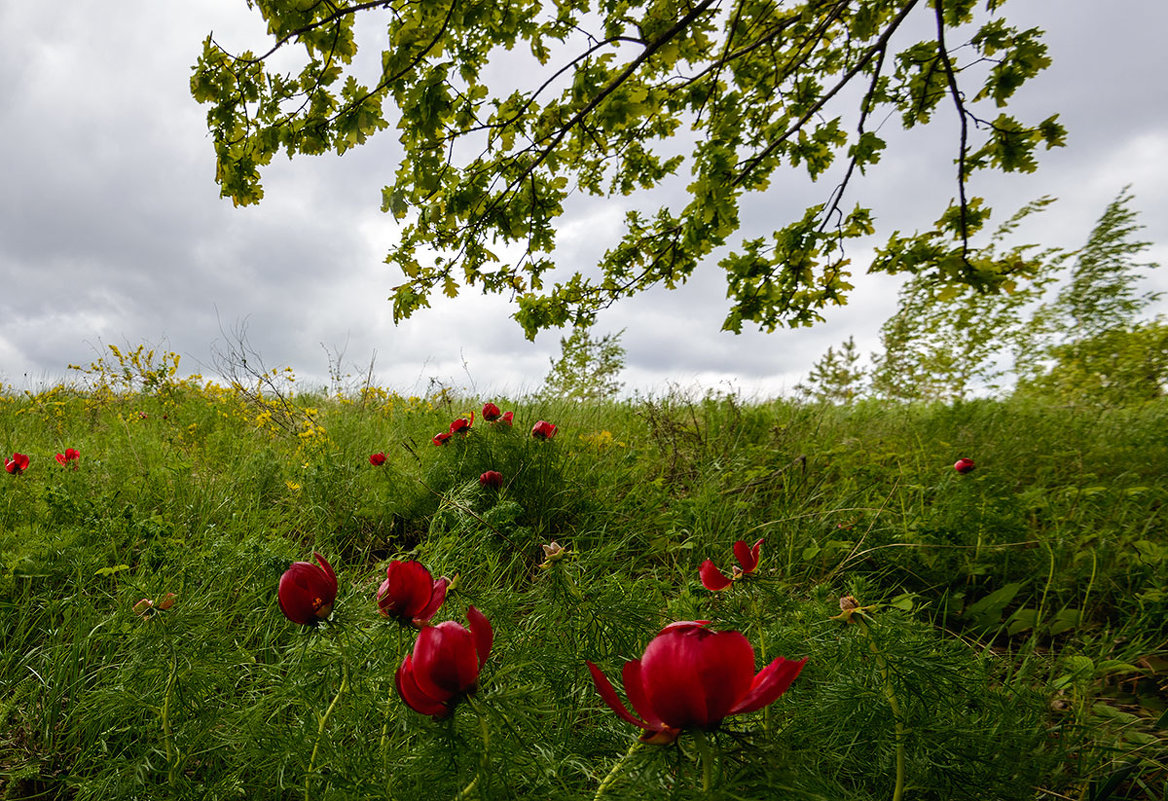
(635, 692)
(713, 578)
(484, 635)
(445, 662)
(726, 669)
(771, 682)
(415, 699)
(437, 596)
(62, 459)
(408, 587)
(747, 556)
(609, 696)
(329, 574)
(672, 679)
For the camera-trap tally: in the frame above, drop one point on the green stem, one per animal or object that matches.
(324, 722)
(468, 789)
(485, 733)
(762, 649)
(611, 777)
(980, 530)
(706, 755)
(890, 694)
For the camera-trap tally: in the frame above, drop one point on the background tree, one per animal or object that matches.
(612, 98)
(1090, 343)
(837, 378)
(587, 369)
(948, 339)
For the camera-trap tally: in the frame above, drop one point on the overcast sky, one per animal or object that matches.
(112, 230)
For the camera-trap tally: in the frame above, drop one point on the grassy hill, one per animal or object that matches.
(1011, 643)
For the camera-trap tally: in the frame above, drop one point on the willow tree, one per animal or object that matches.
(612, 98)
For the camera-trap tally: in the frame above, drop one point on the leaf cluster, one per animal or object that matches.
(505, 109)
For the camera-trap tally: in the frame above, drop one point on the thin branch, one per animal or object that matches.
(947, 65)
(837, 196)
(336, 15)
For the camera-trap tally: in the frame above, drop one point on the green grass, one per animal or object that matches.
(1016, 648)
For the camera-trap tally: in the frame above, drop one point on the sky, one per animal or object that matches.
(112, 230)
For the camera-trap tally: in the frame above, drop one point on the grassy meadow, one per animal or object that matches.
(1011, 643)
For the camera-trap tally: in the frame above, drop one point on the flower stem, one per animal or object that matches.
(706, 755)
(468, 789)
(324, 722)
(611, 777)
(485, 732)
(890, 694)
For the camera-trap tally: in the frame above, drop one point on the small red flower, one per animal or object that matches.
(377, 459)
(714, 579)
(70, 455)
(491, 412)
(442, 438)
(307, 592)
(507, 418)
(543, 430)
(461, 425)
(147, 608)
(492, 479)
(17, 464)
(692, 678)
(445, 665)
(964, 465)
(410, 594)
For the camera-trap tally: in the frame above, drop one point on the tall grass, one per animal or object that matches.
(1013, 646)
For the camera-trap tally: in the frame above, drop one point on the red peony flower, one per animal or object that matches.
(441, 439)
(70, 455)
(507, 417)
(307, 592)
(747, 555)
(410, 594)
(691, 678)
(543, 430)
(461, 425)
(17, 464)
(492, 479)
(377, 459)
(491, 412)
(964, 465)
(445, 665)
